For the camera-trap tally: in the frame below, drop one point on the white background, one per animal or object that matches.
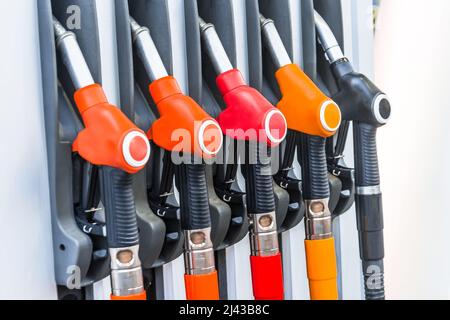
(413, 67)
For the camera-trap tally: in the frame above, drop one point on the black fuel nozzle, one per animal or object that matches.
(368, 108)
(360, 99)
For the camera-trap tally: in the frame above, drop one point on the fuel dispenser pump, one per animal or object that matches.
(367, 108)
(180, 112)
(114, 144)
(251, 119)
(310, 112)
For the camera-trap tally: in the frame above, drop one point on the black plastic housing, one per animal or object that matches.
(357, 95)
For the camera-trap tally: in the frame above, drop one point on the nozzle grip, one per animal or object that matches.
(322, 269)
(314, 168)
(202, 287)
(118, 200)
(194, 200)
(267, 277)
(258, 183)
(366, 158)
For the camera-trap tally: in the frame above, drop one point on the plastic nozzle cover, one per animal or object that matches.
(202, 287)
(306, 107)
(109, 138)
(267, 277)
(322, 269)
(183, 125)
(248, 116)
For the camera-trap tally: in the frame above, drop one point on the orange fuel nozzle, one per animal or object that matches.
(183, 125)
(306, 108)
(322, 269)
(109, 138)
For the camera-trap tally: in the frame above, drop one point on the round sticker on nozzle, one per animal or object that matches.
(275, 126)
(136, 149)
(205, 135)
(330, 116)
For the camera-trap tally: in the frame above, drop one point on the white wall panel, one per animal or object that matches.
(26, 270)
(412, 66)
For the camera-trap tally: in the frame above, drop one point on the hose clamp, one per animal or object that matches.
(263, 234)
(199, 252)
(318, 220)
(126, 271)
(368, 191)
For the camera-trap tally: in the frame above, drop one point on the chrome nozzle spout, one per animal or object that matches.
(73, 58)
(214, 48)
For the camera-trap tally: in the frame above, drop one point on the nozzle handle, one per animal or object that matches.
(258, 181)
(366, 157)
(118, 200)
(314, 168)
(194, 200)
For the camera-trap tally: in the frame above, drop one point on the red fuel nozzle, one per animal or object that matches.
(248, 116)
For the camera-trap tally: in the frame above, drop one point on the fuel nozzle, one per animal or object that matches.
(177, 111)
(112, 142)
(248, 116)
(360, 99)
(307, 109)
(312, 113)
(106, 126)
(368, 108)
(180, 113)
